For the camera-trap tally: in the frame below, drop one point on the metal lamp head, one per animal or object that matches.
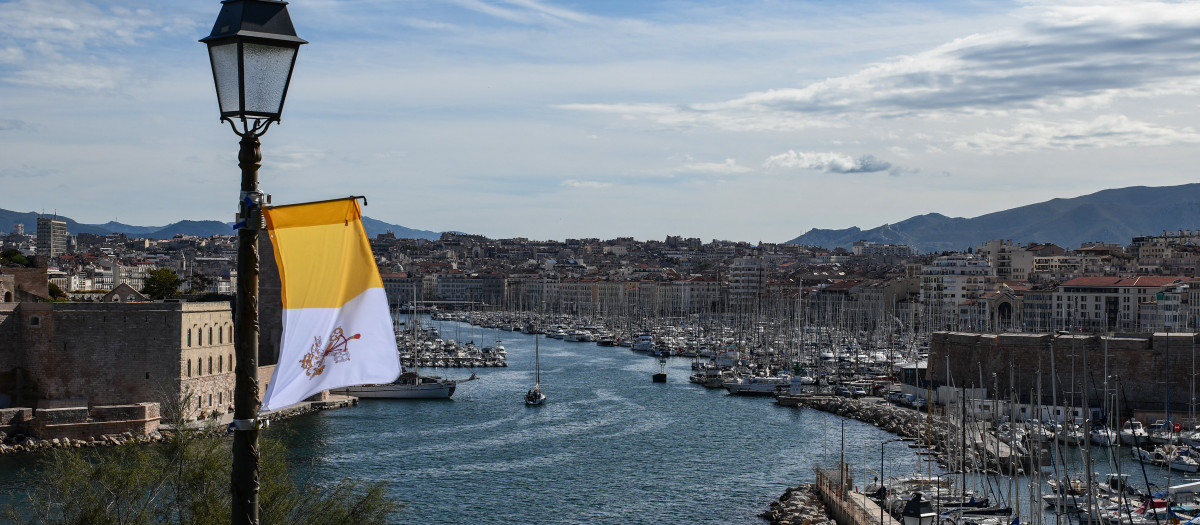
(252, 49)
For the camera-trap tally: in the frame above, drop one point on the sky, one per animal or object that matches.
(747, 120)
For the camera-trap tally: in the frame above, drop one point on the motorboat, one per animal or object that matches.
(1133, 433)
(757, 385)
(644, 343)
(410, 385)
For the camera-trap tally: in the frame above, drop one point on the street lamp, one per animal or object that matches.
(883, 491)
(252, 49)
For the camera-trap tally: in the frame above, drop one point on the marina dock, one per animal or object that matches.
(846, 505)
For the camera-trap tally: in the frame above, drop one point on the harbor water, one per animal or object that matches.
(609, 445)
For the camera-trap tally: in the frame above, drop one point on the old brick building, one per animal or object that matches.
(1146, 373)
(55, 355)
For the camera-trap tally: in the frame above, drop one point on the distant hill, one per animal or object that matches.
(375, 227)
(132, 231)
(29, 219)
(1115, 215)
(197, 228)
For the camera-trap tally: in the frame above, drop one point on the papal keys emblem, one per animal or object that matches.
(337, 347)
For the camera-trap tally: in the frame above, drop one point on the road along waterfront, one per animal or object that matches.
(609, 446)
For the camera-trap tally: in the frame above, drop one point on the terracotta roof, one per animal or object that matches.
(844, 285)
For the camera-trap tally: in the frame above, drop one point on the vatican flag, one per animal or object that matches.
(337, 331)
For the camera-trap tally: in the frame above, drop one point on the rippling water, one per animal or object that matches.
(609, 445)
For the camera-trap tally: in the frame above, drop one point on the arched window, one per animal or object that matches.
(189, 337)
(220, 363)
(210, 370)
(210, 336)
(221, 336)
(189, 367)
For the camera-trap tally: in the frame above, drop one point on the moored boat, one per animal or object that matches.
(410, 385)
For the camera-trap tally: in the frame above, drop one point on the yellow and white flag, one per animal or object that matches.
(337, 331)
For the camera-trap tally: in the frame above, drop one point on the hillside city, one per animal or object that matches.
(1144, 286)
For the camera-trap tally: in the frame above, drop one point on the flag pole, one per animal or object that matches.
(355, 197)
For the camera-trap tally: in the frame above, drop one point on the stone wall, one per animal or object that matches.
(81, 423)
(81, 354)
(11, 340)
(15, 420)
(106, 353)
(1148, 368)
(31, 283)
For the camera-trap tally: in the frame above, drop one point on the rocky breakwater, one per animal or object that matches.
(903, 421)
(20, 443)
(798, 505)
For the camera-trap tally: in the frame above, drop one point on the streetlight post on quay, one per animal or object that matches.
(883, 500)
(252, 49)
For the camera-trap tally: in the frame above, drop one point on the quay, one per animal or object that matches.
(831, 496)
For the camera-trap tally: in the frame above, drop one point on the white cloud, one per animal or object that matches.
(829, 162)
(296, 158)
(1108, 131)
(82, 45)
(11, 55)
(72, 76)
(728, 167)
(523, 11)
(1064, 59)
(586, 184)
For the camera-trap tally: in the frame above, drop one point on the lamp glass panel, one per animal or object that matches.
(267, 70)
(225, 72)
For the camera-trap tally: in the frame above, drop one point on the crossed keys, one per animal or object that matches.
(314, 361)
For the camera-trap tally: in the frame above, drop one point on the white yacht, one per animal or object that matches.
(410, 385)
(644, 343)
(757, 385)
(1133, 431)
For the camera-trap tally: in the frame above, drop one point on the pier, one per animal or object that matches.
(846, 505)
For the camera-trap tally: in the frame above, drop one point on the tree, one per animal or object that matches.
(160, 283)
(13, 258)
(200, 282)
(56, 292)
(185, 480)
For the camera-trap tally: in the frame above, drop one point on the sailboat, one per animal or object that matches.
(535, 397)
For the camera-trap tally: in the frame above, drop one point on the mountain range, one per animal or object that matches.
(1114, 216)
(197, 228)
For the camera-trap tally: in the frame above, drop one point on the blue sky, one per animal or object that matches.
(550, 120)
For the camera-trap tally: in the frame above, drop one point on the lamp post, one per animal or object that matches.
(252, 49)
(883, 491)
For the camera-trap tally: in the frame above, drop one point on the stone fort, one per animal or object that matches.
(68, 368)
(1148, 375)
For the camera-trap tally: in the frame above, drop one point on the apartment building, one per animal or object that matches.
(1115, 303)
(951, 280)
